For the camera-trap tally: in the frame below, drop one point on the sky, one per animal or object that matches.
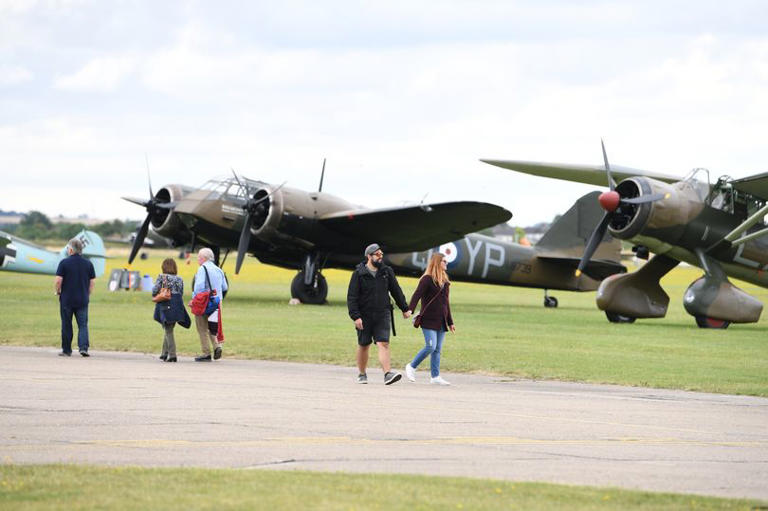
(403, 98)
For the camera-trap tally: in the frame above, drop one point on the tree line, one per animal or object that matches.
(37, 226)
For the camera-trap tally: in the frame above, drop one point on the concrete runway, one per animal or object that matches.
(132, 409)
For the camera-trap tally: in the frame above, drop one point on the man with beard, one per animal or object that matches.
(369, 307)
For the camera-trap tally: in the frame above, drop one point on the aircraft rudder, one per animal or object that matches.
(93, 249)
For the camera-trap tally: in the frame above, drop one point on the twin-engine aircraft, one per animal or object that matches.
(550, 264)
(307, 231)
(718, 227)
(22, 256)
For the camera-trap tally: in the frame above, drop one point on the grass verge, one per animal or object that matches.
(501, 330)
(73, 487)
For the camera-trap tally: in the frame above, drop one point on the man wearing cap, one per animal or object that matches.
(369, 307)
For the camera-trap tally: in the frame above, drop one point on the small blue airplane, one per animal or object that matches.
(22, 256)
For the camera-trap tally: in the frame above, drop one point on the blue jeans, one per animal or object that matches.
(433, 344)
(81, 316)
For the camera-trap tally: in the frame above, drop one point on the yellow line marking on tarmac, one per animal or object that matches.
(343, 440)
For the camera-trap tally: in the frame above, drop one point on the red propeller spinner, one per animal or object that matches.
(609, 200)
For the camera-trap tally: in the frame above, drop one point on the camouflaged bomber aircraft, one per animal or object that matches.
(719, 227)
(307, 231)
(550, 264)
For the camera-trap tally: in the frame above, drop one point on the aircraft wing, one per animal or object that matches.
(595, 269)
(414, 228)
(756, 185)
(588, 174)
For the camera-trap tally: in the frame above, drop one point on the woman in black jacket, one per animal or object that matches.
(435, 315)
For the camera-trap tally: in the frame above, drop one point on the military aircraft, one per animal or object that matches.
(718, 226)
(20, 255)
(293, 228)
(550, 264)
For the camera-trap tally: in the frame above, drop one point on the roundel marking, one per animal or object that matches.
(451, 253)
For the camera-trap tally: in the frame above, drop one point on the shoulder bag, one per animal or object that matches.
(203, 300)
(164, 294)
(418, 317)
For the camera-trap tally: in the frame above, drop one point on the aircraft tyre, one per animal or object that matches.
(614, 317)
(707, 322)
(313, 295)
(550, 302)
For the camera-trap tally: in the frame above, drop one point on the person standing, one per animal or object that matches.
(172, 311)
(436, 319)
(370, 286)
(209, 277)
(75, 277)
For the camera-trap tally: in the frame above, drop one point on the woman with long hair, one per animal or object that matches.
(435, 316)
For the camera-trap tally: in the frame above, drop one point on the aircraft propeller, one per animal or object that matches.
(254, 208)
(153, 206)
(610, 202)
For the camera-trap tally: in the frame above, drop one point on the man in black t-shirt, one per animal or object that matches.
(75, 277)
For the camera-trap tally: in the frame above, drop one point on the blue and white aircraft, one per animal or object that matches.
(20, 255)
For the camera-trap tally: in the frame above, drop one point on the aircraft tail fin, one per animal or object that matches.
(93, 249)
(569, 234)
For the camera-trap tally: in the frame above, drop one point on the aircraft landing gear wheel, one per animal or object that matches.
(614, 317)
(706, 322)
(550, 302)
(313, 295)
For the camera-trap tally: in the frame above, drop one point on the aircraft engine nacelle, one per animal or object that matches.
(164, 221)
(267, 214)
(681, 203)
(632, 295)
(716, 298)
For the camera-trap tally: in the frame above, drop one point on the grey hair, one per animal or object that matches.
(75, 245)
(206, 253)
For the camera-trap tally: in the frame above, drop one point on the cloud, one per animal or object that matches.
(102, 74)
(14, 75)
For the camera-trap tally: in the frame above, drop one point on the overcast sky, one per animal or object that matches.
(402, 97)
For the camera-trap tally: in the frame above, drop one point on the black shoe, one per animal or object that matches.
(84, 353)
(163, 356)
(203, 358)
(65, 354)
(392, 377)
(217, 353)
(171, 359)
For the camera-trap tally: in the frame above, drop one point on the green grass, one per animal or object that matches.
(69, 487)
(501, 330)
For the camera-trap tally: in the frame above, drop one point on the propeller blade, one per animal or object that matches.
(244, 187)
(139, 239)
(146, 160)
(140, 202)
(270, 194)
(594, 241)
(165, 205)
(322, 175)
(611, 182)
(243, 244)
(645, 198)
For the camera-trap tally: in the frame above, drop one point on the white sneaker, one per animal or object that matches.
(410, 373)
(438, 380)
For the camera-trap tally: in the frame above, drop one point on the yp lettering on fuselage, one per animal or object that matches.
(466, 256)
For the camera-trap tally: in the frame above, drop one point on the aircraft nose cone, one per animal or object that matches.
(609, 201)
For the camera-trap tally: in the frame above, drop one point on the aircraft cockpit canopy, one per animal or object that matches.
(229, 188)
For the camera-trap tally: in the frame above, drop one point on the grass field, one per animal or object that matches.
(63, 487)
(500, 330)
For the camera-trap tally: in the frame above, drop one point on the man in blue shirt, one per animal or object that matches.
(75, 277)
(219, 286)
